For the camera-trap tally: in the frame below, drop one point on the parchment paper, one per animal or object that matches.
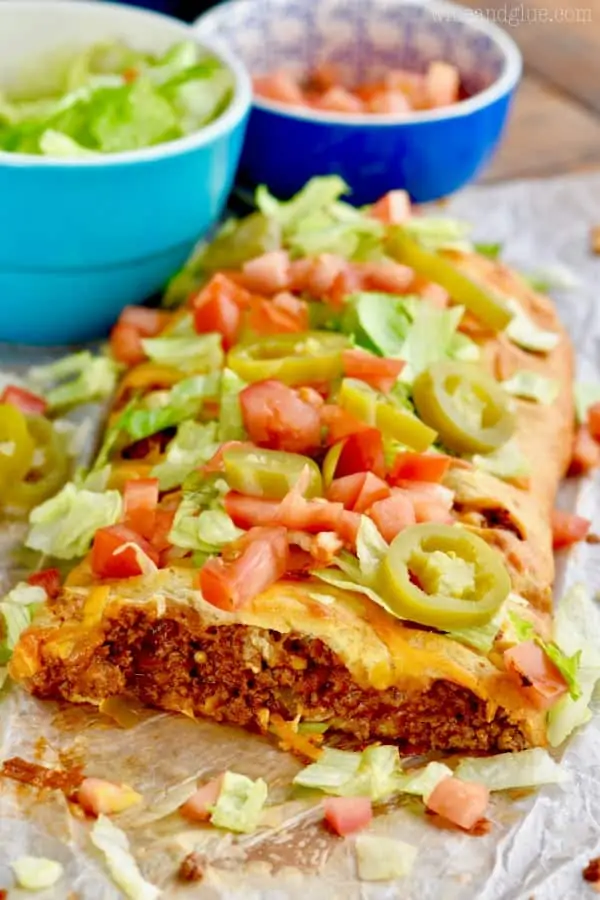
(538, 845)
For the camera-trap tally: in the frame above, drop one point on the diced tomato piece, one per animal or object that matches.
(462, 802)
(99, 797)
(48, 579)
(299, 273)
(148, 322)
(324, 76)
(279, 86)
(379, 372)
(568, 529)
(369, 90)
(198, 807)
(269, 273)
(535, 673)
(249, 511)
(393, 208)
(230, 585)
(274, 416)
(431, 502)
(163, 523)
(393, 515)
(340, 423)
(442, 83)
(435, 294)
(389, 102)
(218, 307)
(390, 277)
(140, 499)
(362, 452)
(586, 452)
(419, 467)
(312, 396)
(593, 421)
(358, 492)
(348, 527)
(338, 99)
(283, 314)
(299, 514)
(30, 404)
(345, 283)
(126, 345)
(346, 815)
(294, 307)
(322, 548)
(109, 561)
(325, 269)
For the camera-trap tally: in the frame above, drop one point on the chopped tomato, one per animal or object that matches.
(462, 802)
(311, 395)
(299, 514)
(340, 423)
(379, 372)
(28, 403)
(110, 560)
(535, 673)
(48, 579)
(279, 86)
(283, 314)
(431, 502)
(393, 208)
(126, 344)
(442, 84)
(348, 527)
(148, 322)
(230, 585)
(435, 294)
(275, 416)
(269, 273)
(359, 491)
(390, 277)
(427, 467)
(338, 99)
(218, 307)
(163, 523)
(586, 452)
(249, 511)
(392, 515)
(346, 282)
(345, 815)
(325, 269)
(593, 421)
(362, 452)
(140, 499)
(321, 548)
(96, 796)
(198, 807)
(299, 272)
(568, 528)
(389, 102)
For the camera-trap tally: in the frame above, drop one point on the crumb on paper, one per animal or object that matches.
(592, 538)
(591, 873)
(481, 828)
(191, 868)
(595, 239)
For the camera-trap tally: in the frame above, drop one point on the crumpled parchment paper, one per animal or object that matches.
(538, 844)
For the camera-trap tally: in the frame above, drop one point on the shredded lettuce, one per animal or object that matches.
(439, 233)
(568, 666)
(462, 348)
(16, 611)
(79, 378)
(207, 531)
(429, 338)
(374, 773)
(35, 873)
(64, 525)
(575, 631)
(371, 549)
(345, 583)
(527, 768)
(231, 426)
(424, 781)
(379, 321)
(113, 843)
(492, 251)
(381, 858)
(240, 803)
(481, 637)
(194, 444)
(556, 277)
(586, 393)
(96, 106)
(317, 195)
(532, 386)
(524, 332)
(507, 462)
(198, 353)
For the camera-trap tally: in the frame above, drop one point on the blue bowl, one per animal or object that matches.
(431, 153)
(80, 239)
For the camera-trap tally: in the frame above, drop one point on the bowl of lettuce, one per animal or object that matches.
(120, 136)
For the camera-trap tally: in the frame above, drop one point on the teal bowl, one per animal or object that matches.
(82, 238)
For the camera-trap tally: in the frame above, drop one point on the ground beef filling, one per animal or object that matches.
(240, 675)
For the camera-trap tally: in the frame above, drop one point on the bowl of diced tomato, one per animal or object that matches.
(410, 94)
